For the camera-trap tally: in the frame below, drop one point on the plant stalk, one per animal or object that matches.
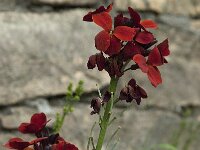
(107, 113)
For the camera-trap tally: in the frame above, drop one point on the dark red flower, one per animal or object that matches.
(19, 144)
(108, 40)
(101, 9)
(96, 105)
(106, 97)
(97, 60)
(132, 91)
(37, 123)
(152, 71)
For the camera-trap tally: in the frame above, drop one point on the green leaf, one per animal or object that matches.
(167, 147)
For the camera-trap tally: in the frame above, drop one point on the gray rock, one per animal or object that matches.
(65, 2)
(183, 7)
(195, 25)
(140, 128)
(16, 116)
(42, 53)
(14, 5)
(41, 104)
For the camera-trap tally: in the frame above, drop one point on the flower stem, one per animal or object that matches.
(107, 114)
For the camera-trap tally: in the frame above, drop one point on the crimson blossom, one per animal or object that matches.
(43, 141)
(123, 40)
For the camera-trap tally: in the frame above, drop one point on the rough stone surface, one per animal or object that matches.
(42, 53)
(45, 45)
(176, 7)
(140, 128)
(65, 2)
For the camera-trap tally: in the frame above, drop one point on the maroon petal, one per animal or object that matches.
(16, 143)
(149, 24)
(164, 48)
(154, 76)
(39, 119)
(142, 92)
(88, 17)
(28, 128)
(141, 61)
(124, 93)
(119, 20)
(64, 146)
(91, 64)
(106, 96)
(134, 15)
(124, 33)
(131, 49)
(103, 20)
(96, 105)
(114, 47)
(144, 37)
(155, 58)
(102, 41)
(132, 83)
(101, 61)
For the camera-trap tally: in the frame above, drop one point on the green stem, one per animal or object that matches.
(107, 114)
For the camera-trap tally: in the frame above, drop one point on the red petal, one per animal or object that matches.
(148, 24)
(154, 76)
(28, 128)
(39, 119)
(88, 17)
(109, 8)
(141, 61)
(119, 20)
(115, 46)
(164, 48)
(144, 37)
(134, 15)
(102, 41)
(131, 49)
(142, 92)
(124, 33)
(16, 143)
(103, 20)
(155, 58)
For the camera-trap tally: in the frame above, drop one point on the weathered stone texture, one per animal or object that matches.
(140, 129)
(65, 2)
(42, 53)
(176, 7)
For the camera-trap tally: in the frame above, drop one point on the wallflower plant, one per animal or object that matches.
(121, 41)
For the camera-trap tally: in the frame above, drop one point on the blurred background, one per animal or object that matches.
(45, 45)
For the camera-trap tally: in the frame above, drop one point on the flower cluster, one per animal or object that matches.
(123, 40)
(44, 140)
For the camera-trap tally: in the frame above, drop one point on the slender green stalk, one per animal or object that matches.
(107, 113)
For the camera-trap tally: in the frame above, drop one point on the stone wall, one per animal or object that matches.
(44, 45)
